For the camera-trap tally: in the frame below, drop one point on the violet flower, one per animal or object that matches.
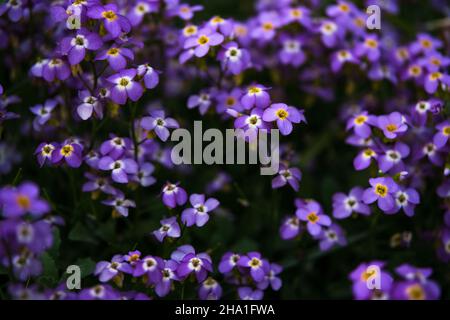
(198, 215)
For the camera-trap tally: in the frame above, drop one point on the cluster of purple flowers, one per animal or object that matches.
(162, 274)
(26, 230)
(413, 284)
(126, 62)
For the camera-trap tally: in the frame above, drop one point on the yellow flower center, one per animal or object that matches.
(203, 40)
(109, 15)
(359, 22)
(113, 51)
(381, 190)
(435, 76)
(391, 127)
(415, 70)
(312, 217)
(344, 7)
(230, 101)
(296, 13)
(23, 201)
(190, 30)
(426, 44)
(415, 292)
(217, 20)
(124, 82)
(267, 26)
(369, 153)
(367, 274)
(67, 150)
(282, 114)
(254, 90)
(255, 262)
(371, 43)
(446, 131)
(359, 120)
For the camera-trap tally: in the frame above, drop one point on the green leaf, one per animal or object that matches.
(87, 266)
(54, 250)
(50, 271)
(82, 234)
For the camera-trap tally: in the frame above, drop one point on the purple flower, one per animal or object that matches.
(173, 195)
(251, 123)
(24, 199)
(199, 264)
(151, 267)
(169, 228)
(99, 292)
(75, 47)
(416, 290)
(120, 168)
(15, 9)
(331, 33)
(124, 87)
(202, 101)
(202, 41)
(330, 237)
(210, 289)
(290, 228)
(392, 159)
(434, 79)
(44, 112)
(55, 69)
(44, 152)
(360, 124)
(287, 175)
(198, 215)
(383, 191)
(224, 26)
(284, 116)
(116, 57)
(120, 205)
(96, 183)
(271, 278)
(107, 270)
(70, 152)
(440, 139)
(425, 43)
(159, 123)
(344, 205)
(168, 274)
(115, 147)
(247, 293)
(144, 174)
(89, 105)
(150, 75)
(186, 12)
(228, 262)
(369, 48)
(266, 27)
(114, 22)
(364, 158)
(392, 124)
(406, 199)
(311, 212)
(292, 53)
(366, 272)
(259, 267)
(234, 59)
(256, 96)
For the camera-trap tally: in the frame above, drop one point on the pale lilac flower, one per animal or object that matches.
(198, 215)
(169, 228)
